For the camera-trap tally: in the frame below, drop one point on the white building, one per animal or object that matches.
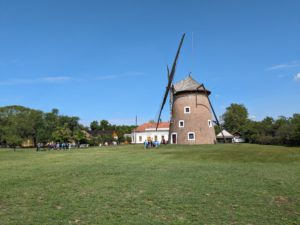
(230, 138)
(147, 131)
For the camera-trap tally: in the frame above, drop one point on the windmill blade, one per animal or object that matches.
(171, 76)
(212, 108)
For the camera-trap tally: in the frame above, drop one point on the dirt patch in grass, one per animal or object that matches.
(280, 200)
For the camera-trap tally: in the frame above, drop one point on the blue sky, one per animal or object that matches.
(107, 59)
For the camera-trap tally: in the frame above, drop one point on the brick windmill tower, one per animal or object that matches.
(191, 110)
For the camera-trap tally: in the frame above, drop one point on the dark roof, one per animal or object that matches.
(189, 85)
(95, 133)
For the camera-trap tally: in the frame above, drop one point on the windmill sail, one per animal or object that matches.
(215, 115)
(170, 76)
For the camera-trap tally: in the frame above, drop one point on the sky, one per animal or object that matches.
(106, 59)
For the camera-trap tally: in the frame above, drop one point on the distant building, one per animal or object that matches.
(147, 131)
(96, 133)
(230, 138)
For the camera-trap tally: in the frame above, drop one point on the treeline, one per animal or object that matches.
(20, 125)
(103, 132)
(269, 131)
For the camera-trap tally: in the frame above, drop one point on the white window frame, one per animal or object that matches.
(210, 123)
(180, 122)
(187, 107)
(188, 136)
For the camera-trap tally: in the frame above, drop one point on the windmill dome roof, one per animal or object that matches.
(189, 85)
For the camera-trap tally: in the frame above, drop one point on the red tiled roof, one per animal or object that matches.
(145, 126)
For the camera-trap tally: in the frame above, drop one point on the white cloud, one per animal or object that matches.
(284, 66)
(297, 76)
(120, 75)
(252, 117)
(56, 79)
(35, 80)
(62, 79)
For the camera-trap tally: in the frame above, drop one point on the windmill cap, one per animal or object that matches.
(189, 85)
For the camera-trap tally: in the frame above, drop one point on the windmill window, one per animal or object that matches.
(187, 109)
(191, 136)
(181, 123)
(209, 123)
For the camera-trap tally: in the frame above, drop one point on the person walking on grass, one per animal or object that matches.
(145, 144)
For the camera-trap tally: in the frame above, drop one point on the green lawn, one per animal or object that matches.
(209, 184)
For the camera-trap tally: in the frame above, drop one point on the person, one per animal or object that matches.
(38, 146)
(145, 144)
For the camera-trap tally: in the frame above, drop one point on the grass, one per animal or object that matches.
(208, 184)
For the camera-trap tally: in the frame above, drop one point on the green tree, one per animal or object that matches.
(11, 134)
(21, 123)
(94, 125)
(62, 134)
(235, 118)
(80, 137)
(104, 125)
(295, 137)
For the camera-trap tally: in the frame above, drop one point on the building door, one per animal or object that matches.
(174, 138)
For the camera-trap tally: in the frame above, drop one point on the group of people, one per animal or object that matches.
(53, 146)
(151, 144)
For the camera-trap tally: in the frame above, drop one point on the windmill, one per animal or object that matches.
(190, 108)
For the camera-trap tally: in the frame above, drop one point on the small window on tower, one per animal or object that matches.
(187, 109)
(209, 123)
(191, 136)
(181, 123)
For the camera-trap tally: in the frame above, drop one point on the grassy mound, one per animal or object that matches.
(209, 184)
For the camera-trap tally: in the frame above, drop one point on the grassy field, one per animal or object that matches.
(216, 184)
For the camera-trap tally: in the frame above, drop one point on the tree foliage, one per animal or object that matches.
(19, 124)
(283, 131)
(235, 118)
(106, 131)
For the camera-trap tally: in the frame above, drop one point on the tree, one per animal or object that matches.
(62, 134)
(20, 123)
(80, 137)
(94, 125)
(104, 125)
(11, 135)
(295, 138)
(235, 118)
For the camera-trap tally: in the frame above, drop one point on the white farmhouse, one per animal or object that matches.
(147, 131)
